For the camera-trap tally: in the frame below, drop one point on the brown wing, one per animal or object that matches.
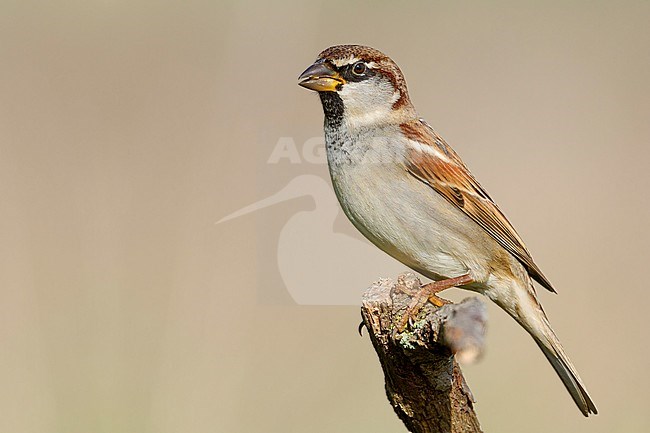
(444, 171)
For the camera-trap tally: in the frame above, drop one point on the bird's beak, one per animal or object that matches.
(321, 78)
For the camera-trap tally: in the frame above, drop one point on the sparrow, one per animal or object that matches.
(408, 192)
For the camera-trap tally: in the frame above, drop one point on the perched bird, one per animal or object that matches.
(406, 190)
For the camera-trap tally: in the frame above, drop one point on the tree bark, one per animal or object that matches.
(424, 383)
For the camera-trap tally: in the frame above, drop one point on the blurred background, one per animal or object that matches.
(128, 129)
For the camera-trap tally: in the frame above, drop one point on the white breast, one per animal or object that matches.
(403, 216)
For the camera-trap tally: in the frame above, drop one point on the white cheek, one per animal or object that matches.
(367, 102)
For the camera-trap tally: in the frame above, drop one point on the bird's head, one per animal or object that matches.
(359, 85)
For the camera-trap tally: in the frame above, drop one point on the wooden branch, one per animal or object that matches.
(424, 383)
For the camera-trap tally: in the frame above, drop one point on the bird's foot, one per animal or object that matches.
(428, 292)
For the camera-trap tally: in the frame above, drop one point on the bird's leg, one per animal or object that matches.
(428, 292)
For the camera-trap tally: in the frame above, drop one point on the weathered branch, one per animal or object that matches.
(424, 383)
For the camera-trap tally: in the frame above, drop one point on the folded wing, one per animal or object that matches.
(435, 163)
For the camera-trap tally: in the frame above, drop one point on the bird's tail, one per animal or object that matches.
(533, 318)
(558, 358)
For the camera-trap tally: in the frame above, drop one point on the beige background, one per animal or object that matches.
(128, 128)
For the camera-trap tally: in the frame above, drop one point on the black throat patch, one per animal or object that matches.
(332, 107)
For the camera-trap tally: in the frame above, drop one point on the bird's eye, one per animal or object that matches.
(359, 68)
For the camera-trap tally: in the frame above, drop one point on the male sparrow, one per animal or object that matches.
(410, 194)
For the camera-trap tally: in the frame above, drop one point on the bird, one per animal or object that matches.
(409, 193)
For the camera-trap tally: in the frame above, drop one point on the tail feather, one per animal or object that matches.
(555, 354)
(524, 307)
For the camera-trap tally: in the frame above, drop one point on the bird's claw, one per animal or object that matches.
(360, 328)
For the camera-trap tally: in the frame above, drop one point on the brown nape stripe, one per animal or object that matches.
(391, 71)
